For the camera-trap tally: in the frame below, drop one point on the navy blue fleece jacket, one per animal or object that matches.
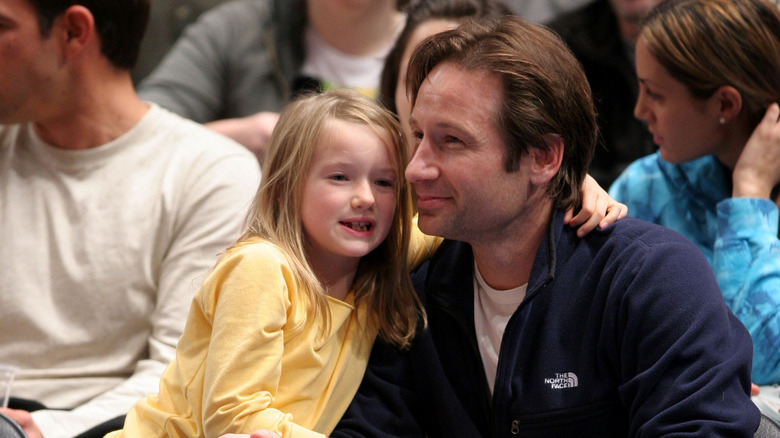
(622, 333)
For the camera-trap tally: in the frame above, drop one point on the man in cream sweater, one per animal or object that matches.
(112, 210)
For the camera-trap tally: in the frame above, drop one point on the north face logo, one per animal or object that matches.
(562, 380)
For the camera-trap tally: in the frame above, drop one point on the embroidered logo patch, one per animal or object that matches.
(562, 380)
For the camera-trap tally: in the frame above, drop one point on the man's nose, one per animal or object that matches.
(421, 167)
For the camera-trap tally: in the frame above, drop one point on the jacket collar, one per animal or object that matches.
(451, 273)
(705, 178)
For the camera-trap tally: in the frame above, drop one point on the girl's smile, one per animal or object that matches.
(349, 195)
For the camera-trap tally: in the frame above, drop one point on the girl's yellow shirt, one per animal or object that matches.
(253, 357)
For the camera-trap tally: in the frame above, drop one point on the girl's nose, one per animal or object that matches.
(363, 196)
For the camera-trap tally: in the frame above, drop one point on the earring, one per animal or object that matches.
(722, 121)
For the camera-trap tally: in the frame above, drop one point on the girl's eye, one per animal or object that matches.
(338, 177)
(385, 183)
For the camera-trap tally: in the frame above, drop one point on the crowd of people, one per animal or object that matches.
(388, 218)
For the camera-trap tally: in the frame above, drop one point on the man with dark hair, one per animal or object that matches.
(111, 212)
(120, 24)
(531, 330)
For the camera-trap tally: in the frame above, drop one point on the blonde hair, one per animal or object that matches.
(706, 44)
(382, 280)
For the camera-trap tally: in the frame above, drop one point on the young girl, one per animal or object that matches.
(709, 75)
(279, 335)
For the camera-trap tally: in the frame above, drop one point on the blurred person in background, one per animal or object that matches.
(111, 212)
(242, 61)
(602, 35)
(709, 75)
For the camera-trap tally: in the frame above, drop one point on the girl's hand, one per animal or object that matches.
(598, 209)
(758, 168)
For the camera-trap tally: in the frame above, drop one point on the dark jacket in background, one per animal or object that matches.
(593, 36)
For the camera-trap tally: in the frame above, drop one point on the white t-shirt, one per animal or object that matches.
(492, 310)
(334, 68)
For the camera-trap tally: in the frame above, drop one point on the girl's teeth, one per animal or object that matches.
(360, 226)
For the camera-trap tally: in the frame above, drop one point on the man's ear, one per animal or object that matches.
(728, 103)
(546, 162)
(76, 29)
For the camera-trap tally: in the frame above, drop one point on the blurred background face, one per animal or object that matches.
(630, 14)
(683, 127)
(28, 64)
(346, 4)
(632, 9)
(423, 31)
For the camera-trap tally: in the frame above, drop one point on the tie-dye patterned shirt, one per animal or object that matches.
(739, 237)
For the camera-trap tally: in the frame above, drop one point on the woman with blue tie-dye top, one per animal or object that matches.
(709, 75)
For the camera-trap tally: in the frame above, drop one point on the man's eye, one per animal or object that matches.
(451, 139)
